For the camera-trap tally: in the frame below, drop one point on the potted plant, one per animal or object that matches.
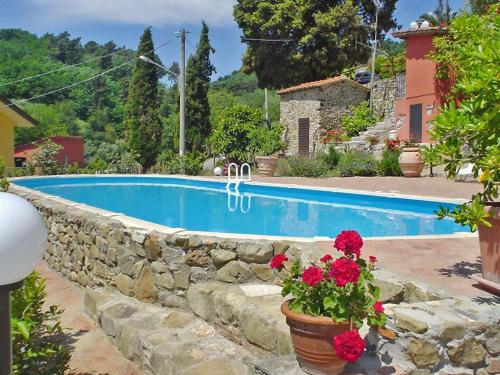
(410, 160)
(269, 145)
(331, 298)
(467, 129)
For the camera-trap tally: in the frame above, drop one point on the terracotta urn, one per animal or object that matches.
(489, 244)
(410, 162)
(312, 339)
(267, 165)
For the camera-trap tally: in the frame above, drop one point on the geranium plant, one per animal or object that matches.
(337, 287)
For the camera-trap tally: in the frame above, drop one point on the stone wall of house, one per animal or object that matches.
(296, 105)
(384, 97)
(324, 106)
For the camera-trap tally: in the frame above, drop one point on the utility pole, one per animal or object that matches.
(182, 92)
(372, 76)
(266, 108)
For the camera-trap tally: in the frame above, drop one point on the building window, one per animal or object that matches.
(303, 136)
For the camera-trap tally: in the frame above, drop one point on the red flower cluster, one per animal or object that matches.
(372, 259)
(349, 242)
(378, 307)
(325, 258)
(278, 260)
(349, 346)
(344, 270)
(312, 275)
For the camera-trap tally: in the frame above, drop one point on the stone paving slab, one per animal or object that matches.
(93, 353)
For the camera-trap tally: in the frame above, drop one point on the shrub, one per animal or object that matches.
(360, 118)
(357, 163)
(269, 140)
(167, 164)
(332, 157)
(46, 158)
(4, 184)
(302, 167)
(38, 340)
(389, 165)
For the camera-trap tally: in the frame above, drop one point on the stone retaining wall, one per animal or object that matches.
(95, 250)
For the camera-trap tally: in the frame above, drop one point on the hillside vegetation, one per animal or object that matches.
(96, 109)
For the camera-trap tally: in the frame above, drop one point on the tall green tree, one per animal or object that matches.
(318, 38)
(198, 72)
(142, 119)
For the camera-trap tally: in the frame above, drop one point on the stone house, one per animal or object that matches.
(308, 108)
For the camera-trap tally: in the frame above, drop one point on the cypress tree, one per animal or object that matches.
(142, 120)
(198, 72)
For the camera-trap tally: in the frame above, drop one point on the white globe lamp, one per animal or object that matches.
(22, 242)
(425, 25)
(414, 25)
(217, 171)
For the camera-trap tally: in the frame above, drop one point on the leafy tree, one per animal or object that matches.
(320, 37)
(240, 133)
(481, 6)
(467, 129)
(440, 16)
(198, 73)
(142, 119)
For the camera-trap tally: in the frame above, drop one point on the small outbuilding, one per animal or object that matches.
(72, 150)
(309, 108)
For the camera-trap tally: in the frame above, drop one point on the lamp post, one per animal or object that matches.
(22, 239)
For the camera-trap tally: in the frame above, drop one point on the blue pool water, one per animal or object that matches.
(265, 210)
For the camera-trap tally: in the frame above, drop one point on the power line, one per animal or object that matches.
(243, 39)
(64, 67)
(190, 44)
(83, 81)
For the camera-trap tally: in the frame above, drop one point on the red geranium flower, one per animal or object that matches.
(278, 260)
(349, 242)
(378, 307)
(372, 259)
(312, 275)
(344, 270)
(325, 258)
(349, 346)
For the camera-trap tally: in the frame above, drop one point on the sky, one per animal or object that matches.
(123, 21)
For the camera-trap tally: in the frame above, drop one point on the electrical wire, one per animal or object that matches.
(83, 81)
(65, 67)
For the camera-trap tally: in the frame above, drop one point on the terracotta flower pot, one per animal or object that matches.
(411, 162)
(267, 165)
(489, 244)
(312, 338)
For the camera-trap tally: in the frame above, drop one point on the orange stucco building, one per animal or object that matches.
(423, 96)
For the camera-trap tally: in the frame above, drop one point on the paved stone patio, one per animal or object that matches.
(425, 186)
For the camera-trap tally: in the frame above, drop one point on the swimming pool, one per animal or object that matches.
(258, 209)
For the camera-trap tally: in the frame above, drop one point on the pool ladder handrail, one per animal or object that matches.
(239, 178)
(239, 201)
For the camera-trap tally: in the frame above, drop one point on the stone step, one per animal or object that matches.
(167, 341)
(250, 313)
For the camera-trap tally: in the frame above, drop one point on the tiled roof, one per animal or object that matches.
(323, 82)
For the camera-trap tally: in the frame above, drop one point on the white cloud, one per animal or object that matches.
(151, 12)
